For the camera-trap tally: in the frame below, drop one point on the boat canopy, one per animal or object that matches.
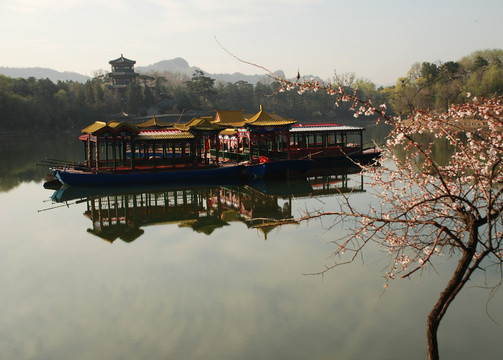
(229, 118)
(201, 124)
(262, 118)
(111, 128)
(153, 123)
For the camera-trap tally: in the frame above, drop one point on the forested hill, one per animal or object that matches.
(41, 104)
(435, 86)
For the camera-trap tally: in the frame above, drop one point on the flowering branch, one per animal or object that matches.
(428, 208)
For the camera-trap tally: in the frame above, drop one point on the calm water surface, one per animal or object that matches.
(187, 274)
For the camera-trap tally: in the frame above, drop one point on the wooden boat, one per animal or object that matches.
(119, 153)
(331, 146)
(290, 147)
(262, 146)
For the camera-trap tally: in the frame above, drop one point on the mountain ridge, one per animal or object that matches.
(42, 73)
(180, 65)
(175, 65)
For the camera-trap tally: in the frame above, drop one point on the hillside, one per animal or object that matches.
(42, 73)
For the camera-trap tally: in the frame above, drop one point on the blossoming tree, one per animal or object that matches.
(428, 208)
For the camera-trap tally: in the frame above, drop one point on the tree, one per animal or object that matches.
(148, 96)
(201, 89)
(409, 92)
(132, 99)
(492, 81)
(479, 62)
(99, 95)
(429, 72)
(431, 209)
(427, 208)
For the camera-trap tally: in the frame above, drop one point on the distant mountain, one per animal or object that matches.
(176, 65)
(180, 65)
(233, 78)
(42, 73)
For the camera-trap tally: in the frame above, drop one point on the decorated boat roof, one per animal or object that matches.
(263, 118)
(228, 132)
(153, 123)
(229, 118)
(204, 123)
(112, 127)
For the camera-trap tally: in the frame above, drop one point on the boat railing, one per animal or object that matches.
(230, 155)
(308, 153)
(110, 165)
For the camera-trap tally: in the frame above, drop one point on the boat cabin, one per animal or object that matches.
(118, 146)
(249, 138)
(207, 141)
(268, 135)
(324, 140)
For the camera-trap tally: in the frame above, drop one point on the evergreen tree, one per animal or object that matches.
(132, 100)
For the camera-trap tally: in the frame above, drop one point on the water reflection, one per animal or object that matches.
(122, 212)
(178, 294)
(21, 153)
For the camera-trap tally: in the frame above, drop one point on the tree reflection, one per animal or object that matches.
(20, 155)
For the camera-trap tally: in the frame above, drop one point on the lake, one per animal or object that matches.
(206, 273)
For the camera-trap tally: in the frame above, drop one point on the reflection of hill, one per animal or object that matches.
(122, 212)
(20, 155)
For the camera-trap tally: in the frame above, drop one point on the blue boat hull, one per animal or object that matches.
(82, 178)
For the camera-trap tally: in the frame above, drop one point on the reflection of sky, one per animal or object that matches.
(177, 294)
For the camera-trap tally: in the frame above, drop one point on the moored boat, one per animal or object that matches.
(118, 153)
(265, 145)
(290, 146)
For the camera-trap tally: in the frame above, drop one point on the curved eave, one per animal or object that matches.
(112, 128)
(264, 119)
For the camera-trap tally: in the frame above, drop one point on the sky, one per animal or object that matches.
(378, 40)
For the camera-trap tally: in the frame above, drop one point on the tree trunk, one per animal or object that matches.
(452, 288)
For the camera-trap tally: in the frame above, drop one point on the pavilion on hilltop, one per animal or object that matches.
(122, 74)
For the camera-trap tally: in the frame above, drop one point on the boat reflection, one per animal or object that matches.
(123, 212)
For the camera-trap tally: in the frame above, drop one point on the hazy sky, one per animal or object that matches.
(376, 39)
